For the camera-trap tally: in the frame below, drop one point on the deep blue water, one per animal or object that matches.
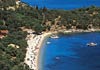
(70, 52)
(63, 4)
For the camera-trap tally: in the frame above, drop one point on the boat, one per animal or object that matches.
(54, 36)
(91, 44)
(48, 42)
(57, 58)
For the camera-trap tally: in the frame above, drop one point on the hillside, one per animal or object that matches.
(14, 16)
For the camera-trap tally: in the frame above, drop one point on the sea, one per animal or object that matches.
(63, 4)
(71, 52)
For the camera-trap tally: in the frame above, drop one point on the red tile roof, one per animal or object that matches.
(4, 31)
(1, 36)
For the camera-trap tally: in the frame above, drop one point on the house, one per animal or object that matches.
(17, 2)
(3, 33)
(1, 36)
(11, 8)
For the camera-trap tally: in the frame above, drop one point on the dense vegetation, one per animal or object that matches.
(39, 20)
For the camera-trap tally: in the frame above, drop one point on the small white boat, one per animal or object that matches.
(48, 42)
(57, 58)
(54, 36)
(91, 44)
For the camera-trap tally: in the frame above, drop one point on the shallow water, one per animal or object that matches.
(70, 52)
(63, 4)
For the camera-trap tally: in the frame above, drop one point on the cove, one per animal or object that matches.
(70, 52)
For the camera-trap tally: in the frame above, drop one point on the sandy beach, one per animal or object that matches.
(35, 43)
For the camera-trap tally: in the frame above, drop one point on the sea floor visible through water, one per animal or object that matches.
(70, 52)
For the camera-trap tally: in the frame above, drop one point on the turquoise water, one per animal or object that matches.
(63, 4)
(70, 52)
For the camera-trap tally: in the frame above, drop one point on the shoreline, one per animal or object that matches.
(35, 43)
(33, 49)
(40, 46)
